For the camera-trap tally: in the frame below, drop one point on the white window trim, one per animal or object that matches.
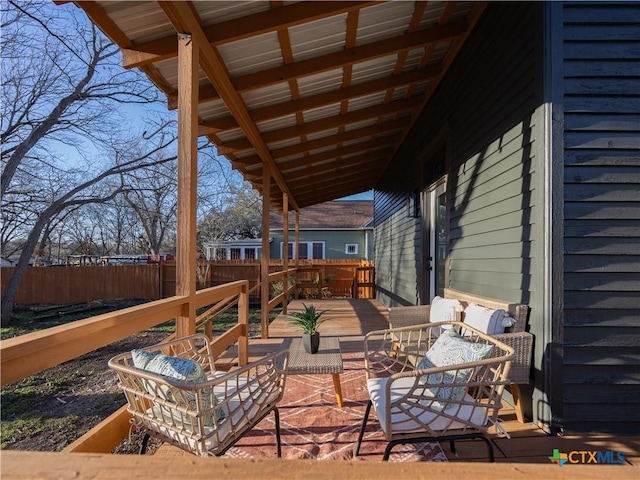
(351, 245)
(309, 245)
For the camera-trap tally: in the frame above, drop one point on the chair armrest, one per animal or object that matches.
(397, 349)
(407, 316)
(522, 344)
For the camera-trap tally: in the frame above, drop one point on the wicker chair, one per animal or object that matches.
(516, 336)
(184, 413)
(407, 400)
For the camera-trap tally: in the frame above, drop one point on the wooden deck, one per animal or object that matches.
(351, 319)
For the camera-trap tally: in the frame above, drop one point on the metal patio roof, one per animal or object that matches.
(323, 92)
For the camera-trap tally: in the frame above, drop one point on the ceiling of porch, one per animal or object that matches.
(322, 92)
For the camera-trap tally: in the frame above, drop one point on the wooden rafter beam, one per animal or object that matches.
(333, 180)
(357, 134)
(350, 56)
(328, 98)
(240, 28)
(253, 164)
(185, 20)
(293, 169)
(370, 160)
(328, 123)
(335, 121)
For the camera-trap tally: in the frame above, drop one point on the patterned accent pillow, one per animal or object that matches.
(448, 350)
(444, 310)
(180, 369)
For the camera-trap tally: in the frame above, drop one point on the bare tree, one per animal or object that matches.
(238, 215)
(152, 194)
(62, 87)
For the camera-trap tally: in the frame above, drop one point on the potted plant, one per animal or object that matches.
(308, 320)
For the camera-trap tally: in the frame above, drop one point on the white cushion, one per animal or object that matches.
(415, 415)
(445, 310)
(487, 320)
(239, 410)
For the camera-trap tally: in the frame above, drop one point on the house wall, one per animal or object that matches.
(601, 334)
(485, 122)
(335, 241)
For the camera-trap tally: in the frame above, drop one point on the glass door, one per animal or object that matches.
(437, 223)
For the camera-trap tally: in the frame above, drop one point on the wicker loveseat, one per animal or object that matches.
(515, 336)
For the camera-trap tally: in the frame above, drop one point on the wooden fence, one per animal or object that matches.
(66, 285)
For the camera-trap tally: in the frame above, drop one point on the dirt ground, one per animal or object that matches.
(50, 410)
(88, 394)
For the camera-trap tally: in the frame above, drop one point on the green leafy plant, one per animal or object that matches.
(308, 320)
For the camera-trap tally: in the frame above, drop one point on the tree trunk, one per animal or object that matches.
(11, 291)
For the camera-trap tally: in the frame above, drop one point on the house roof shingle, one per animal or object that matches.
(336, 214)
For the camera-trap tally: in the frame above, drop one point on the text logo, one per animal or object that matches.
(586, 457)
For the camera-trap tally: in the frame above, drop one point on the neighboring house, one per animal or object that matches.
(332, 230)
(339, 229)
(523, 177)
(246, 249)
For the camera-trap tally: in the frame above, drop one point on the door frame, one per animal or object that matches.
(429, 215)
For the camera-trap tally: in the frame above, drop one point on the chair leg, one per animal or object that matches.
(145, 443)
(364, 425)
(451, 438)
(276, 414)
(452, 447)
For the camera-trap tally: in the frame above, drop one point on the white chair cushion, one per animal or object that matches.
(414, 418)
(239, 411)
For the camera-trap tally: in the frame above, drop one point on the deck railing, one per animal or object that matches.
(31, 353)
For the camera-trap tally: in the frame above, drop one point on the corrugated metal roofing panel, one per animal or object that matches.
(322, 134)
(229, 135)
(439, 52)
(432, 14)
(322, 112)
(169, 70)
(221, 11)
(321, 82)
(366, 101)
(213, 109)
(284, 143)
(414, 58)
(386, 20)
(372, 69)
(140, 21)
(355, 126)
(251, 54)
(399, 93)
(262, 97)
(322, 149)
(281, 122)
(318, 38)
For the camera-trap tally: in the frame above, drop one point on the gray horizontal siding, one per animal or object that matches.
(601, 336)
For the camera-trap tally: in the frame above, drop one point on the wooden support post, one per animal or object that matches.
(264, 259)
(285, 248)
(187, 183)
(296, 241)
(243, 319)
